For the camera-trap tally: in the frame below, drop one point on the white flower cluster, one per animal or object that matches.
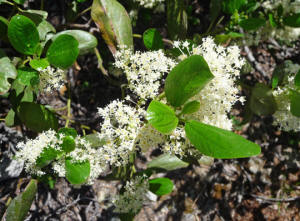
(286, 34)
(218, 96)
(149, 3)
(135, 195)
(51, 79)
(283, 117)
(119, 129)
(144, 70)
(30, 151)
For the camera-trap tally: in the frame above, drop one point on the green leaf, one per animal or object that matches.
(153, 39)
(87, 42)
(223, 38)
(63, 51)
(47, 156)
(177, 19)
(94, 140)
(38, 64)
(218, 143)
(28, 76)
(114, 23)
(215, 9)
(37, 117)
(297, 79)
(161, 117)
(292, 20)
(7, 71)
(77, 172)
(19, 206)
(161, 186)
(68, 144)
(262, 101)
(295, 103)
(191, 107)
(23, 34)
(167, 162)
(21, 2)
(3, 28)
(186, 80)
(280, 71)
(272, 20)
(230, 6)
(68, 132)
(10, 119)
(252, 24)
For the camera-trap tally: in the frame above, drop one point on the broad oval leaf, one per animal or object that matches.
(161, 186)
(295, 103)
(86, 41)
(77, 172)
(153, 39)
(28, 76)
(262, 101)
(37, 117)
(252, 24)
(219, 143)
(47, 156)
(23, 35)
(63, 51)
(68, 132)
(114, 23)
(68, 144)
(191, 107)
(167, 162)
(161, 117)
(19, 206)
(292, 20)
(186, 79)
(7, 71)
(39, 64)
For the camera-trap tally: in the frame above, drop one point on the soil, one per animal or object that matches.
(265, 187)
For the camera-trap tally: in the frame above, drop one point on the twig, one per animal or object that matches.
(167, 41)
(276, 199)
(100, 62)
(82, 13)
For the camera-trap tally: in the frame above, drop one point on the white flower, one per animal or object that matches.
(119, 129)
(135, 195)
(149, 3)
(51, 79)
(283, 117)
(144, 70)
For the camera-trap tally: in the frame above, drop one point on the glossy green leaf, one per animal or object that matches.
(295, 103)
(77, 172)
(292, 20)
(114, 23)
(218, 143)
(161, 117)
(191, 107)
(39, 64)
(230, 6)
(23, 34)
(153, 39)
(21, 2)
(297, 79)
(63, 51)
(47, 156)
(87, 42)
(19, 206)
(252, 24)
(177, 19)
(37, 117)
(7, 71)
(223, 38)
(262, 101)
(167, 162)
(68, 144)
(3, 28)
(94, 140)
(28, 76)
(68, 132)
(161, 186)
(186, 80)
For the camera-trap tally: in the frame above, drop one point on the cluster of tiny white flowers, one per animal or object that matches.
(149, 3)
(132, 200)
(144, 70)
(219, 95)
(30, 151)
(119, 129)
(51, 79)
(283, 117)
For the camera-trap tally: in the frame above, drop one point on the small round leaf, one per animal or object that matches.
(161, 186)
(77, 172)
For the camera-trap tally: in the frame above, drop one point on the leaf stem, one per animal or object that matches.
(82, 13)
(100, 62)
(2, 119)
